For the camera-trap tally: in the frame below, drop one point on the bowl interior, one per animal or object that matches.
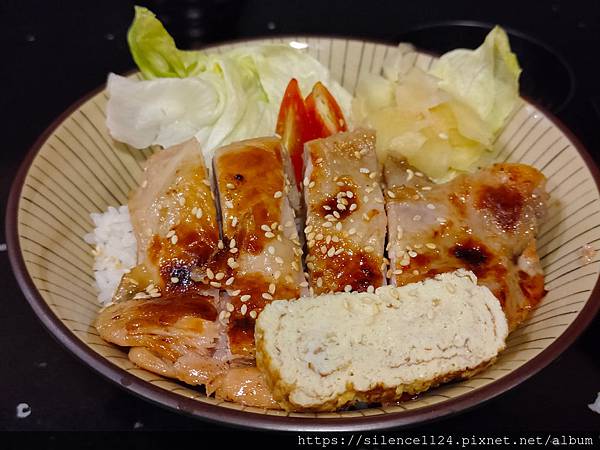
(80, 169)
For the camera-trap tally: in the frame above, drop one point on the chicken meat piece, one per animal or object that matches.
(345, 217)
(263, 256)
(174, 219)
(175, 337)
(485, 222)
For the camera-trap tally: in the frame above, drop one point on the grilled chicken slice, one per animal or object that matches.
(262, 257)
(245, 385)
(485, 222)
(175, 222)
(345, 219)
(175, 336)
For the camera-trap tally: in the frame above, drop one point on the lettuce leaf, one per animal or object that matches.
(154, 51)
(218, 98)
(486, 79)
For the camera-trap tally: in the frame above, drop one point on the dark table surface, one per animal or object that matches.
(59, 50)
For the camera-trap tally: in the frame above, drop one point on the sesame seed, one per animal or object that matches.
(277, 274)
(311, 185)
(441, 219)
(182, 201)
(229, 307)
(364, 170)
(430, 245)
(371, 289)
(327, 207)
(350, 194)
(327, 225)
(174, 280)
(230, 186)
(245, 298)
(279, 260)
(335, 239)
(339, 251)
(210, 274)
(267, 296)
(170, 233)
(272, 288)
(231, 263)
(253, 314)
(234, 221)
(220, 245)
(265, 227)
(338, 226)
(235, 293)
(336, 215)
(398, 271)
(215, 284)
(233, 250)
(323, 249)
(341, 206)
(232, 243)
(174, 239)
(306, 181)
(410, 174)
(405, 262)
(351, 231)
(310, 266)
(331, 252)
(304, 284)
(328, 239)
(347, 288)
(308, 229)
(219, 276)
(271, 249)
(373, 175)
(416, 218)
(295, 265)
(199, 213)
(353, 206)
(229, 204)
(412, 253)
(319, 282)
(244, 309)
(430, 206)
(269, 235)
(391, 194)
(278, 194)
(415, 272)
(318, 160)
(340, 183)
(274, 225)
(426, 188)
(419, 174)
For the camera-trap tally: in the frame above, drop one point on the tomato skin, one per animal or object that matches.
(292, 123)
(324, 114)
(301, 120)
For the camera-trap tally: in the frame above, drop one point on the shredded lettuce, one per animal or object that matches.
(218, 98)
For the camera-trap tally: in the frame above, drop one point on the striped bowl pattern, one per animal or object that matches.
(76, 168)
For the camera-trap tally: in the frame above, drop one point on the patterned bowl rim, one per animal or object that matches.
(251, 420)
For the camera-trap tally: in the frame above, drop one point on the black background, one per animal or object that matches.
(53, 52)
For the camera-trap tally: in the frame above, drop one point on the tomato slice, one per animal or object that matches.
(292, 123)
(324, 114)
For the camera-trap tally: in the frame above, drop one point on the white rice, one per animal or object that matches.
(115, 249)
